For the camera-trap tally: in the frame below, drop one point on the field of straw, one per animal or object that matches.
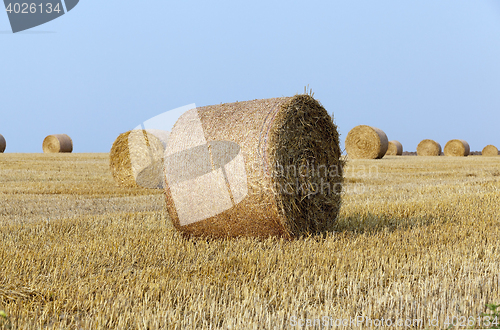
(417, 239)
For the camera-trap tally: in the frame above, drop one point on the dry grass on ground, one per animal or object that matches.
(417, 238)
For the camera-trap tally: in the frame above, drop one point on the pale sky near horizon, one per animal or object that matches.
(415, 69)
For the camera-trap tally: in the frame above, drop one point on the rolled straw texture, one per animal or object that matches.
(395, 148)
(490, 151)
(136, 160)
(257, 168)
(366, 142)
(3, 144)
(57, 143)
(457, 148)
(160, 134)
(428, 147)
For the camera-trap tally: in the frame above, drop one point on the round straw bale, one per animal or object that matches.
(366, 142)
(490, 151)
(457, 148)
(257, 168)
(395, 148)
(160, 134)
(428, 147)
(57, 143)
(3, 144)
(136, 159)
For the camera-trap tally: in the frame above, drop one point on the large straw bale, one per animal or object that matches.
(257, 168)
(395, 148)
(428, 147)
(136, 159)
(160, 134)
(3, 144)
(366, 142)
(490, 151)
(457, 148)
(57, 143)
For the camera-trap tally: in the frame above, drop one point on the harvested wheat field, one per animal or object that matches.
(416, 241)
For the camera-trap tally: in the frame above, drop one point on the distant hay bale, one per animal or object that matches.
(428, 148)
(136, 160)
(395, 148)
(257, 168)
(457, 148)
(3, 144)
(366, 142)
(57, 143)
(490, 151)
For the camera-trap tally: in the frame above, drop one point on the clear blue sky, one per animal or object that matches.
(416, 69)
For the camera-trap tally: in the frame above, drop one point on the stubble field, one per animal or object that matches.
(417, 239)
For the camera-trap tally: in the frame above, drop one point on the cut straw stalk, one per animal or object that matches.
(57, 143)
(257, 168)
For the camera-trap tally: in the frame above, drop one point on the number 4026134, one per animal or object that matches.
(32, 8)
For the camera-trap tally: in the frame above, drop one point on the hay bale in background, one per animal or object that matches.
(3, 144)
(428, 147)
(57, 143)
(247, 168)
(136, 160)
(160, 134)
(457, 148)
(490, 151)
(366, 142)
(395, 148)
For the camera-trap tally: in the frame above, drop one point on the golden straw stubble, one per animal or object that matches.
(428, 147)
(457, 148)
(490, 151)
(3, 144)
(136, 160)
(395, 148)
(57, 143)
(258, 168)
(366, 142)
